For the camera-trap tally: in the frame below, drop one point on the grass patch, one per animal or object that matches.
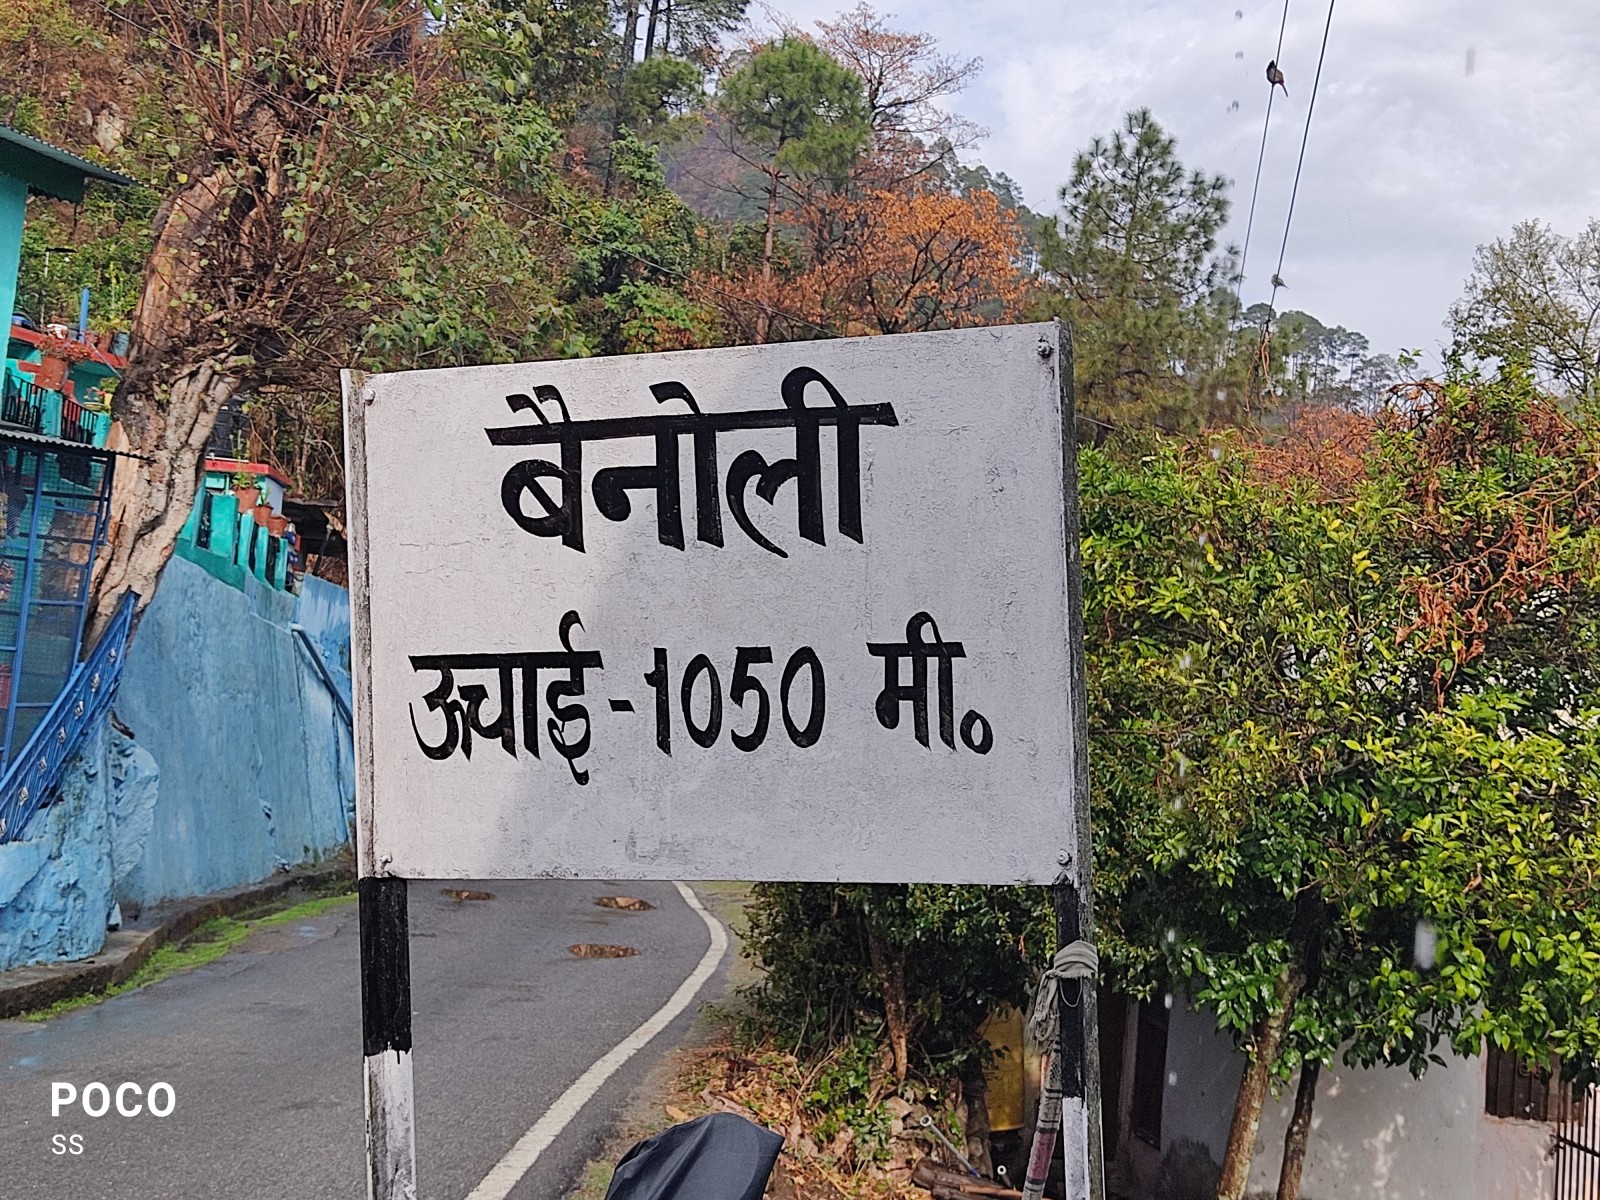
(206, 944)
(595, 1182)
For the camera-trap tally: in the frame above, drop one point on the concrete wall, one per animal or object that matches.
(57, 884)
(1376, 1134)
(242, 766)
(1202, 1080)
(1382, 1135)
(255, 756)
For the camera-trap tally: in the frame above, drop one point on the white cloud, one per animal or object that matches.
(1412, 160)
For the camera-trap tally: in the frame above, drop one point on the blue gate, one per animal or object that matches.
(55, 497)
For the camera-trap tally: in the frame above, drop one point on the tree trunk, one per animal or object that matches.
(1252, 1095)
(630, 36)
(975, 1095)
(1294, 1138)
(150, 508)
(630, 40)
(171, 392)
(890, 968)
(764, 318)
(650, 29)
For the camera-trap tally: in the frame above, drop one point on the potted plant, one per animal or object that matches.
(57, 356)
(246, 487)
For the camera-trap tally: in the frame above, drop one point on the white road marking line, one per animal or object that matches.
(497, 1184)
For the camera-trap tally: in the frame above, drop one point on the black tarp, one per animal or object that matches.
(718, 1157)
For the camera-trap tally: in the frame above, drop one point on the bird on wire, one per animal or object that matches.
(1275, 78)
(1277, 282)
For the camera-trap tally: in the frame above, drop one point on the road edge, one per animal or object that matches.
(25, 989)
(517, 1161)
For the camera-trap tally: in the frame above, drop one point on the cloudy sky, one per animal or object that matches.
(1438, 125)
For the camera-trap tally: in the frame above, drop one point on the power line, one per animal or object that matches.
(1244, 255)
(325, 115)
(1304, 137)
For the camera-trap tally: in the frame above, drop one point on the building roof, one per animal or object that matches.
(10, 434)
(234, 466)
(115, 364)
(50, 170)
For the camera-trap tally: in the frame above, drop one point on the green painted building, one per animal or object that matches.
(41, 392)
(55, 486)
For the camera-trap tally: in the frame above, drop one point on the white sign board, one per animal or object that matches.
(795, 611)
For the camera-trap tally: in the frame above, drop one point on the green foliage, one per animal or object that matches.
(1320, 717)
(693, 29)
(49, 24)
(106, 254)
(553, 51)
(660, 98)
(798, 106)
(473, 185)
(1534, 300)
(1312, 363)
(844, 1094)
(627, 277)
(837, 956)
(1133, 262)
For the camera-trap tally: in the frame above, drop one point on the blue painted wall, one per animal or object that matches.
(256, 760)
(243, 765)
(57, 886)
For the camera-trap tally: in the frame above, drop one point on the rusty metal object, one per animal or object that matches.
(952, 1185)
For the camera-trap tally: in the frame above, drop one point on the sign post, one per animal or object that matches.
(806, 611)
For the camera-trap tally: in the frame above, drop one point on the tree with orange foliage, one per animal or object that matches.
(887, 246)
(894, 262)
(914, 261)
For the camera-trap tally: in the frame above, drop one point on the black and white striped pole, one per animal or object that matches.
(385, 928)
(386, 1039)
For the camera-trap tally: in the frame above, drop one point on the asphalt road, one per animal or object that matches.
(263, 1052)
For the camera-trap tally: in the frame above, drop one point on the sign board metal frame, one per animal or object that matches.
(388, 858)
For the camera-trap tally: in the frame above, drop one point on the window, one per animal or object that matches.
(1513, 1089)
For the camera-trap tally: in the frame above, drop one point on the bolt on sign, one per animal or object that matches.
(805, 611)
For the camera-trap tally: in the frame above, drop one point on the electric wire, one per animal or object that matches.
(1305, 136)
(1244, 254)
(326, 116)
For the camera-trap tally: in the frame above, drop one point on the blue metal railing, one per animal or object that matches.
(324, 674)
(22, 403)
(32, 778)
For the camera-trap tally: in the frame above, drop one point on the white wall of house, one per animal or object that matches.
(1202, 1080)
(1376, 1134)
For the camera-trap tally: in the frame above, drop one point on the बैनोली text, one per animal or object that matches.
(564, 518)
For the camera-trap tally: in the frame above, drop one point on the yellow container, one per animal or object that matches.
(1008, 1074)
